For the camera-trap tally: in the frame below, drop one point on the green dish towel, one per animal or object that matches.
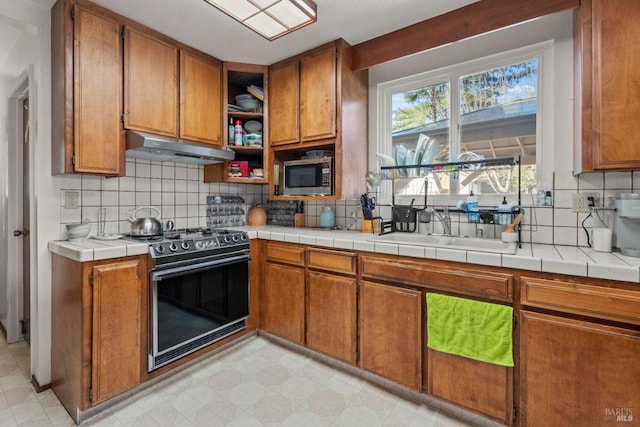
(473, 329)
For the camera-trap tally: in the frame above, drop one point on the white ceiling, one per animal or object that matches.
(197, 24)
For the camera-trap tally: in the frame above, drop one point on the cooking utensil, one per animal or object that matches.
(511, 227)
(145, 226)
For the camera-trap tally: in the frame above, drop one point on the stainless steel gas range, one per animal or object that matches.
(199, 290)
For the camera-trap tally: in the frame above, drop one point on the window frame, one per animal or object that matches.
(543, 52)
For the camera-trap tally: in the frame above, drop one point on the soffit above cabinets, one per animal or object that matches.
(211, 31)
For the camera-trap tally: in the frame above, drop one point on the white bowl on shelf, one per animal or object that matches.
(247, 101)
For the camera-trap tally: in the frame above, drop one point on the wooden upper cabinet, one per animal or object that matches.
(318, 95)
(284, 102)
(200, 98)
(317, 102)
(607, 38)
(86, 72)
(303, 98)
(150, 83)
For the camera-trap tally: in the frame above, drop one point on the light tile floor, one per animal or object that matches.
(256, 383)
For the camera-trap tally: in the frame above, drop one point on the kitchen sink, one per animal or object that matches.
(451, 242)
(409, 239)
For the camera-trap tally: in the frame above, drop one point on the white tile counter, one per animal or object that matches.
(535, 257)
(93, 250)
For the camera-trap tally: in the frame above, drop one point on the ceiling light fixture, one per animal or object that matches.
(269, 18)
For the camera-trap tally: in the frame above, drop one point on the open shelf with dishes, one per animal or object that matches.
(245, 125)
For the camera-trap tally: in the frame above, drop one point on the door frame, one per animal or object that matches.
(24, 87)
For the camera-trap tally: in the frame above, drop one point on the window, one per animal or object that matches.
(488, 108)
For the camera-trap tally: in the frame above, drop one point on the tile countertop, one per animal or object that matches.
(570, 260)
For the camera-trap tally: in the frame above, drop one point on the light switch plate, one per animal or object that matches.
(71, 199)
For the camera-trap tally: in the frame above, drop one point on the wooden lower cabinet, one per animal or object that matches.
(577, 373)
(98, 330)
(331, 315)
(283, 301)
(391, 333)
(481, 387)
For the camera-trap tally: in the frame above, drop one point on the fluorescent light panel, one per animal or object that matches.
(269, 18)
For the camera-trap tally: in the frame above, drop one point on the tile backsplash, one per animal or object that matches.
(174, 188)
(178, 191)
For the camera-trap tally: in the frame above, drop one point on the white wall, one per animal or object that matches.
(33, 47)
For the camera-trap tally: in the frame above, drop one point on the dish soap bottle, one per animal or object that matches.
(473, 210)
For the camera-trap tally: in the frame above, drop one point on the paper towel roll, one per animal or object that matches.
(602, 239)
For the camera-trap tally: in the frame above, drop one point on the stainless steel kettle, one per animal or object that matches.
(145, 226)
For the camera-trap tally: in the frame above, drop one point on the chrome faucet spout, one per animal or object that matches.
(444, 218)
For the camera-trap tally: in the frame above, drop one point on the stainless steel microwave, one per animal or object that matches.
(309, 177)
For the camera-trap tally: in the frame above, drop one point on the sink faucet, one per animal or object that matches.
(445, 219)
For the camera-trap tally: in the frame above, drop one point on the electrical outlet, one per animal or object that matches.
(71, 199)
(580, 202)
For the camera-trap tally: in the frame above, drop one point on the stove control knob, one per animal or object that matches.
(235, 239)
(185, 245)
(227, 239)
(173, 247)
(243, 237)
(200, 244)
(159, 249)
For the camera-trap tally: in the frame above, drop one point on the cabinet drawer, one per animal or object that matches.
(333, 261)
(588, 300)
(470, 282)
(285, 253)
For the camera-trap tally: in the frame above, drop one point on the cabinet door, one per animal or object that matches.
(200, 99)
(482, 387)
(318, 95)
(283, 302)
(98, 138)
(118, 307)
(150, 84)
(331, 315)
(284, 102)
(616, 107)
(391, 336)
(576, 373)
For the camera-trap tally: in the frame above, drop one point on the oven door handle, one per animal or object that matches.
(179, 271)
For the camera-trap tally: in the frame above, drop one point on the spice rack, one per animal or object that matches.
(225, 210)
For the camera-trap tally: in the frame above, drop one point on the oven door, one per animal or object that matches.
(196, 305)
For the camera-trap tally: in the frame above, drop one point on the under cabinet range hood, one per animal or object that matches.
(146, 146)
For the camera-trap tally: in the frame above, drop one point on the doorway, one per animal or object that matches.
(19, 209)
(25, 322)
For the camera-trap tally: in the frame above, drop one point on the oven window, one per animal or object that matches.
(198, 303)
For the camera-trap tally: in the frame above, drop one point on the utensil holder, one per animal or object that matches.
(370, 226)
(404, 219)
